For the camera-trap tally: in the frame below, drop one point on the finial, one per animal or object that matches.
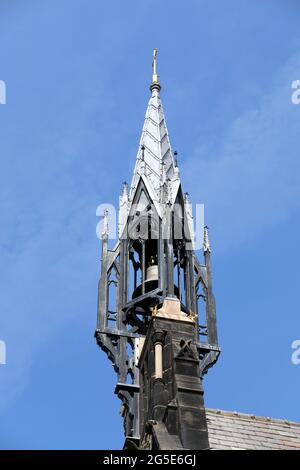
(154, 65)
(176, 157)
(105, 224)
(206, 242)
(186, 197)
(125, 189)
(155, 78)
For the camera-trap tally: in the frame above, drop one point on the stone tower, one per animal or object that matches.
(156, 310)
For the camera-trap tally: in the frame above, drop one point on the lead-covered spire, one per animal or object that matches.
(155, 148)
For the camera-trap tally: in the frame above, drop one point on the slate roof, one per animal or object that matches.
(236, 431)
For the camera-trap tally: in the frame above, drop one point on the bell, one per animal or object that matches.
(152, 270)
(151, 278)
(152, 273)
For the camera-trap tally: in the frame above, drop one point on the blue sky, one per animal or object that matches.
(77, 76)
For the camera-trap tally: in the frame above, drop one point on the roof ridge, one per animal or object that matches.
(251, 416)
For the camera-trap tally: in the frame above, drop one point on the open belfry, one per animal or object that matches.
(151, 287)
(156, 311)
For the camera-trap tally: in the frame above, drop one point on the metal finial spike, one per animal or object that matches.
(125, 188)
(206, 242)
(155, 78)
(176, 157)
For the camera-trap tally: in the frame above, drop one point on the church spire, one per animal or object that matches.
(151, 319)
(155, 148)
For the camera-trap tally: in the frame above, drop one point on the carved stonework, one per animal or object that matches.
(158, 337)
(186, 350)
